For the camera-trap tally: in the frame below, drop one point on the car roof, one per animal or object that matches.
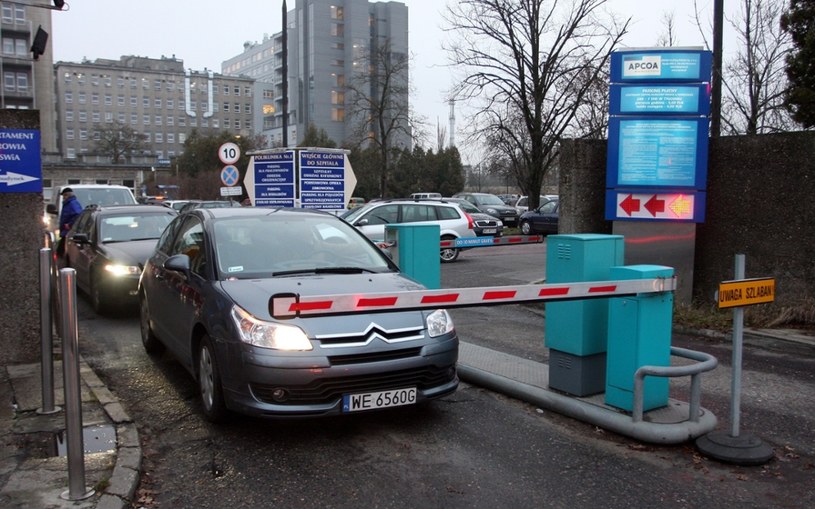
(129, 209)
(225, 212)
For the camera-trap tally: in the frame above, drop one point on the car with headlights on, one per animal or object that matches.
(207, 296)
(107, 248)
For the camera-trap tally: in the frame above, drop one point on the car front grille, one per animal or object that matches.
(326, 390)
(486, 223)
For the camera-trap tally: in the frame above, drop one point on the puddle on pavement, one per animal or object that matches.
(99, 438)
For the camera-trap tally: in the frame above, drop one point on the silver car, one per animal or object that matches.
(453, 222)
(207, 295)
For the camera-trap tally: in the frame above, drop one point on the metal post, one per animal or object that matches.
(46, 335)
(738, 336)
(73, 396)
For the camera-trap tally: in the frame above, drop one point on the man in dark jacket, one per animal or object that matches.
(70, 211)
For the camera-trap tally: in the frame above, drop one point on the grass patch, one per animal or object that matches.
(769, 316)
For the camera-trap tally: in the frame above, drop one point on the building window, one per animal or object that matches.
(69, 97)
(22, 82)
(108, 117)
(247, 108)
(237, 90)
(70, 153)
(83, 134)
(134, 118)
(120, 117)
(157, 120)
(66, 77)
(97, 136)
(120, 82)
(226, 107)
(95, 117)
(157, 85)
(170, 137)
(108, 100)
(69, 116)
(337, 29)
(69, 134)
(94, 98)
(193, 105)
(337, 97)
(83, 116)
(159, 137)
(82, 98)
(216, 123)
(170, 120)
(247, 91)
(146, 119)
(182, 137)
(145, 102)
(134, 101)
(182, 121)
(170, 104)
(226, 89)
(337, 12)
(237, 108)
(157, 104)
(338, 114)
(120, 100)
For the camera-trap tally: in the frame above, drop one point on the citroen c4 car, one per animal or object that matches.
(207, 295)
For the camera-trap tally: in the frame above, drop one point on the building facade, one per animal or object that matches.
(27, 83)
(330, 44)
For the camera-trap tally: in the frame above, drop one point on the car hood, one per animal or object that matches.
(253, 296)
(130, 253)
(480, 216)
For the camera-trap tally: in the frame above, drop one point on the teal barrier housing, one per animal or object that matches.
(416, 251)
(576, 332)
(639, 334)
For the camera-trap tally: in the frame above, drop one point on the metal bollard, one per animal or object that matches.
(46, 335)
(73, 396)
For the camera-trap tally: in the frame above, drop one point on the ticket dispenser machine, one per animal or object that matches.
(576, 331)
(639, 334)
(416, 251)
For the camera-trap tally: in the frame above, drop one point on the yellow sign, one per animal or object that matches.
(746, 292)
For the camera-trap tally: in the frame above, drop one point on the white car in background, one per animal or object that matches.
(522, 204)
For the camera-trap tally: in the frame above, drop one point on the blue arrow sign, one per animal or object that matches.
(20, 164)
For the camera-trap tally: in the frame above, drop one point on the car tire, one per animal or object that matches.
(151, 343)
(448, 255)
(526, 228)
(98, 297)
(210, 391)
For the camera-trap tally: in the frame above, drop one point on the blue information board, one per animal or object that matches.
(20, 163)
(274, 180)
(685, 99)
(322, 180)
(660, 152)
(661, 65)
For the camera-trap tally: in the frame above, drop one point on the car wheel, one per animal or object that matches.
(526, 228)
(209, 382)
(98, 297)
(449, 254)
(151, 343)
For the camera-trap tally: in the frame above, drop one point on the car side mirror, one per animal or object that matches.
(51, 209)
(361, 222)
(178, 263)
(80, 238)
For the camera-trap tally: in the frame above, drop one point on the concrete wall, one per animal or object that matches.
(19, 270)
(759, 203)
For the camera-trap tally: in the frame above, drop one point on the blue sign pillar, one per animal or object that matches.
(20, 164)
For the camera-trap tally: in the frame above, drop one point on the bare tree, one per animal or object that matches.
(118, 141)
(526, 62)
(378, 99)
(668, 37)
(753, 80)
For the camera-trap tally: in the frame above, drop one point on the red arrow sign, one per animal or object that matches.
(630, 205)
(655, 206)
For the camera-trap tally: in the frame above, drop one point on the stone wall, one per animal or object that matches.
(19, 271)
(760, 196)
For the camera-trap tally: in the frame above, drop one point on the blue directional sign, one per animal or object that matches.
(322, 180)
(20, 164)
(274, 180)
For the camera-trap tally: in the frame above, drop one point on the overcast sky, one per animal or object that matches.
(204, 33)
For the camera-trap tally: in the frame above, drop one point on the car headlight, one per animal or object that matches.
(439, 322)
(119, 270)
(268, 334)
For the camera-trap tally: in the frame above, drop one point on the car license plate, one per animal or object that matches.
(382, 399)
(488, 230)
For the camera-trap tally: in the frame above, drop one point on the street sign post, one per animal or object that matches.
(229, 153)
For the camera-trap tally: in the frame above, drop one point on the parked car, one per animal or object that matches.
(508, 199)
(87, 194)
(492, 205)
(483, 224)
(107, 247)
(542, 220)
(421, 196)
(206, 294)
(208, 204)
(453, 222)
(522, 203)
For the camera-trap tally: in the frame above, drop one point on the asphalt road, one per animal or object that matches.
(473, 449)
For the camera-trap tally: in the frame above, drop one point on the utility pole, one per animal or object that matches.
(285, 79)
(716, 86)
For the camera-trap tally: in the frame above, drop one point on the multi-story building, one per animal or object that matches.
(330, 43)
(154, 97)
(27, 83)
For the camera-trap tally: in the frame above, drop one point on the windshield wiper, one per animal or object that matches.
(324, 270)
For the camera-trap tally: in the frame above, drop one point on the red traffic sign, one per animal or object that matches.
(229, 153)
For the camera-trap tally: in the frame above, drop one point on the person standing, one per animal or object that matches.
(71, 208)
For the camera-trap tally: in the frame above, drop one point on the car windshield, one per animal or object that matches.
(126, 228)
(281, 245)
(489, 199)
(468, 207)
(103, 196)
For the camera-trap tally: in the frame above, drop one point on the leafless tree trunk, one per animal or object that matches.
(117, 141)
(754, 79)
(530, 65)
(378, 98)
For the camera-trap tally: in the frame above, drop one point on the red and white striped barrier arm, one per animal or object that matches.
(290, 305)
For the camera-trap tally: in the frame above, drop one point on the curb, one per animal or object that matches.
(126, 473)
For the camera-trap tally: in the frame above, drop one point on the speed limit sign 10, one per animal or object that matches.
(229, 153)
